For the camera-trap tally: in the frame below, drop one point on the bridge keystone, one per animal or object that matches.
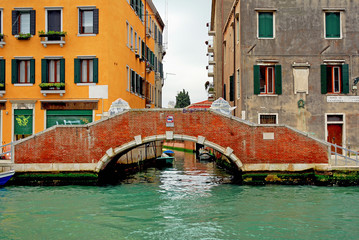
(138, 140)
(110, 152)
(169, 135)
(201, 140)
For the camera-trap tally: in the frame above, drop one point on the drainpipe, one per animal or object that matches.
(145, 79)
(234, 60)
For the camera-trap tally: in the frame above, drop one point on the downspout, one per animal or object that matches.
(234, 60)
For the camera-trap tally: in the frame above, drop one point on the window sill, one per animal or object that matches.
(23, 84)
(2, 44)
(264, 38)
(45, 92)
(45, 43)
(86, 84)
(336, 38)
(86, 34)
(2, 92)
(268, 95)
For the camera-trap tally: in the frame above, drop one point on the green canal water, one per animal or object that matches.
(192, 200)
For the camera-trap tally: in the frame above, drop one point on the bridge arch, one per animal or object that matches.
(113, 152)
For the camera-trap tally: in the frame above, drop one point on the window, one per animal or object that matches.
(53, 70)
(267, 79)
(335, 78)
(128, 78)
(54, 23)
(265, 24)
(131, 37)
(2, 73)
(267, 118)
(23, 21)
(88, 21)
(332, 25)
(231, 88)
(86, 70)
(23, 71)
(238, 83)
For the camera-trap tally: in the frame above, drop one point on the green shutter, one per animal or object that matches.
(278, 79)
(323, 73)
(231, 88)
(62, 70)
(44, 71)
(95, 70)
(265, 25)
(345, 76)
(256, 78)
(2, 71)
(23, 121)
(332, 24)
(14, 71)
(77, 70)
(32, 71)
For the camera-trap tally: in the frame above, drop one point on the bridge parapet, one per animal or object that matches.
(95, 144)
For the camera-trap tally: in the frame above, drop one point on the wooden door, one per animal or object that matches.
(335, 135)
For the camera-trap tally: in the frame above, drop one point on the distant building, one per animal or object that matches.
(65, 62)
(292, 62)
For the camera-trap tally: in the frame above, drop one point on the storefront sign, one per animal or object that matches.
(343, 99)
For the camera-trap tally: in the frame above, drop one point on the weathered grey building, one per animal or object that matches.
(293, 62)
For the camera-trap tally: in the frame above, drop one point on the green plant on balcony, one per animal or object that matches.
(2, 86)
(52, 33)
(52, 86)
(24, 36)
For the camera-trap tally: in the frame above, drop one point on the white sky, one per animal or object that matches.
(186, 54)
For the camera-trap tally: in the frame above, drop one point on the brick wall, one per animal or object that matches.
(87, 144)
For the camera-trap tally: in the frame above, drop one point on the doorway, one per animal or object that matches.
(335, 133)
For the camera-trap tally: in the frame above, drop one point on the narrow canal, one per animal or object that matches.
(192, 200)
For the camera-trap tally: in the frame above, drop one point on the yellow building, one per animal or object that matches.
(65, 61)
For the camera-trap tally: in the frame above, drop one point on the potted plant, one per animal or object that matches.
(52, 86)
(52, 34)
(24, 36)
(2, 86)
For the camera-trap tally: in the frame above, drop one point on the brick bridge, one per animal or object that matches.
(92, 147)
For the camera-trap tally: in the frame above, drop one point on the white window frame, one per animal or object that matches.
(128, 33)
(267, 114)
(128, 78)
(131, 37)
(328, 10)
(23, 84)
(274, 21)
(82, 8)
(335, 122)
(60, 42)
(86, 57)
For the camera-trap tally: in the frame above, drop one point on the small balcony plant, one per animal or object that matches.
(24, 36)
(52, 86)
(2, 86)
(52, 34)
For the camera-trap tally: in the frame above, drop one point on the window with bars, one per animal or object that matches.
(267, 119)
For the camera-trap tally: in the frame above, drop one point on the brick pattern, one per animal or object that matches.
(88, 144)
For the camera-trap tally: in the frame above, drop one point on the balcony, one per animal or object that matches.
(209, 43)
(52, 88)
(211, 31)
(210, 69)
(52, 37)
(211, 60)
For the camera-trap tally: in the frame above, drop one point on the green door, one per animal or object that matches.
(23, 123)
(68, 117)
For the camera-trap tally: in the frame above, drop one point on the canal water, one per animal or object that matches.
(192, 200)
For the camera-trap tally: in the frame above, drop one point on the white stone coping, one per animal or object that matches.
(55, 167)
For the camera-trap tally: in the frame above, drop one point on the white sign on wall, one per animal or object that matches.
(343, 99)
(98, 91)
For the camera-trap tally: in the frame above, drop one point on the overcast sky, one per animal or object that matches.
(186, 53)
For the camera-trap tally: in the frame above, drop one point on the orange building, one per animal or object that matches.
(65, 62)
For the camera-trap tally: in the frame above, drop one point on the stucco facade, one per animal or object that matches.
(295, 63)
(110, 50)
